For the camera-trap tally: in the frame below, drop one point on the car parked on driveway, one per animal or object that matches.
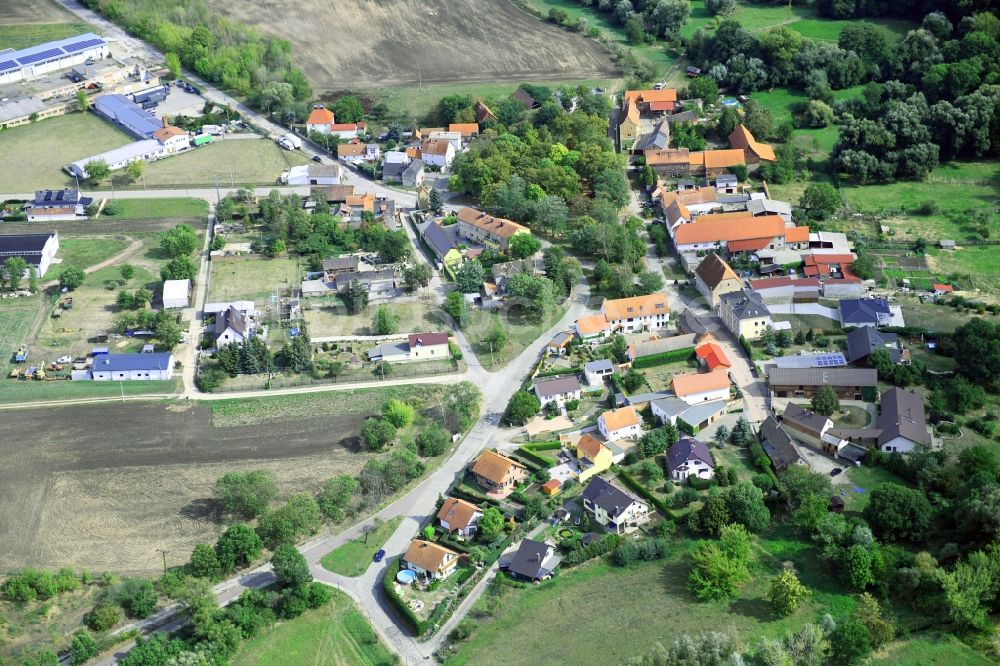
(379, 555)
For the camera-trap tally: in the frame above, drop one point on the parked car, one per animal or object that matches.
(379, 554)
(835, 471)
(317, 158)
(64, 359)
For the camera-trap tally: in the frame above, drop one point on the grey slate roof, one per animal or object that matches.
(341, 264)
(532, 560)
(686, 449)
(766, 206)
(746, 304)
(234, 319)
(439, 240)
(557, 385)
(15, 243)
(608, 496)
(128, 362)
(689, 322)
(863, 341)
(805, 419)
(858, 311)
(393, 169)
(820, 376)
(600, 365)
(828, 360)
(901, 414)
(777, 444)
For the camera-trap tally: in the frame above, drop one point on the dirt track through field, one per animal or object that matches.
(105, 487)
(346, 44)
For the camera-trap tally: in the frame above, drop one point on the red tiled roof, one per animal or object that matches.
(661, 106)
(943, 287)
(749, 245)
(713, 355)
(320, 116)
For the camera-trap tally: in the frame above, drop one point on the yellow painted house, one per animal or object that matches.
(628, 126)
(594, 457)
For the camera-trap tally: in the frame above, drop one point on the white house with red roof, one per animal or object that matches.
(417, 347)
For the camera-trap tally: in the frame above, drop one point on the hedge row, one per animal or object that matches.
(660, 505)
(662, 359)
(575, 370)
(544, 446)
(446, 540)
(404, 610)
(533, 460)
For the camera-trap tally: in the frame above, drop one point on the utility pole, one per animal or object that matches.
(164, 554)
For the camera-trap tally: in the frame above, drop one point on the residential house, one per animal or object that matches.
(711, 356)
(596, 372)
(737, 232)
(442, 243)
(628, 126)
(592, 327)
(503, 270)
(497, 473)
(942, 289)
(828, 265)
(689, 457)
(744, 314)
(348, 131)
(615, 509)
(352, 151)
(356, 205)
(849, 383)
(176, 293)
(320, 120)
(638, 313)
(409, 173)
(656, 346)
(865, 312)
(429, 560)
(315, 173)
(778, 445)
(902, 422)
(806, 359)
(811, 428)
(37, 250)
(57, 206)
(381, 284)
(711, 163)
(864, 341)
(534, 561)
(727, 184)
(559, 344)
(715, 277)
(593, 456)
(754, 152)
(689, 322)
(619, 423)
(454, 138)
(784, 289)
(481, 227)
(232, 326)
(557, 390)
(133, 367)
(458, 516)
(334, 266)
(466, 130)
(652, 102)
(437, 152)
(417, 347)
(397, 157)
(337, 194)
(702, 387)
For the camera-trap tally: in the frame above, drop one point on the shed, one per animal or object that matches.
(176, 293)
(946, 244)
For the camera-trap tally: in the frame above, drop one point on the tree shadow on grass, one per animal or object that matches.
(758, 609)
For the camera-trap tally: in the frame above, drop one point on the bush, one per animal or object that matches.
(136, 596)
(83, 648)
(377, 434)
(662, 359)
(398, 413)
(103, 616)
(247, 494)
(433, 441)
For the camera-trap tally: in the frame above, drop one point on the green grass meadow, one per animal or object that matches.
(334, 635)
(354, 557)
(81, 252)
(149, 209)
(24, 35)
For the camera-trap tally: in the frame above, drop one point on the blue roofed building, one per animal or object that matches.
(865, 312)
(35, 61)
(133, 367)
(120, 110)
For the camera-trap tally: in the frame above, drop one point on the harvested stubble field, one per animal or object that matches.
(400, 41)
(71, 495)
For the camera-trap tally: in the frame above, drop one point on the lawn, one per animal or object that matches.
(419, 102)
(148, 209)
(807, 321)
(828, 30)
(660, 378)
(329, 317)
(568, 620)
(33, 155)
(336, 635)
(932, 316)
(868, 477)
(15, 325)
(254, 279)
(978, 262)
(14, 391)
(82, 252)
(252, 411)
(954, 190)
(231, 163)
(521, 332)
(25, 35)
(354, 557)
(930, 650)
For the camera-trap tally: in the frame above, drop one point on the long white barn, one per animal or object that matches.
(36, 61)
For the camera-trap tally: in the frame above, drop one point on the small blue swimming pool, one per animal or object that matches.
(405, 576)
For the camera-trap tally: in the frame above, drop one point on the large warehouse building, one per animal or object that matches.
(49, 57)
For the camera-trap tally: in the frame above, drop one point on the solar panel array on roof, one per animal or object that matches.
(830, 360)
(7, 64)
(42, 55)
(79, 46)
